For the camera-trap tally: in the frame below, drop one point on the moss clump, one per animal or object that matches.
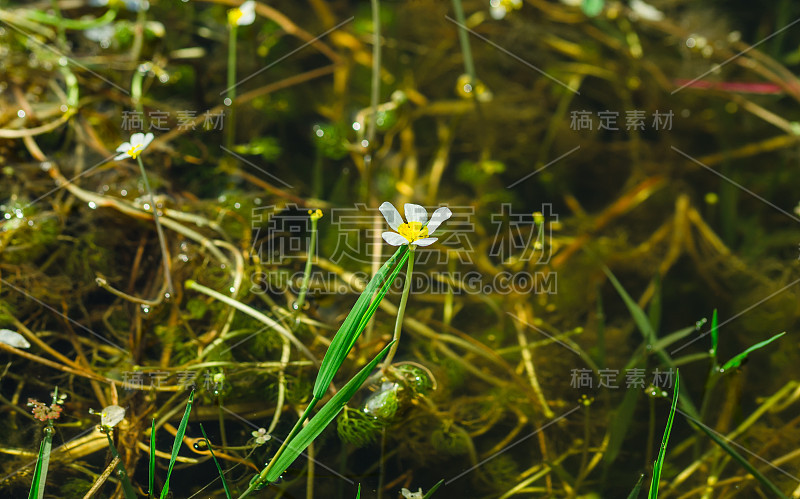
(358, 428)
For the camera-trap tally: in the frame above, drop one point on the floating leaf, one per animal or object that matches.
(737, 361)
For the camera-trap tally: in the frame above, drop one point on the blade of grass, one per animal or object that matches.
(219, 468)
(620, 424)
(654, 310)
(714, 337)
(663, 450)
(717, 439)
(127, 488)
(358, 494)
(346, 336)
(322, 419)
(433, 489)
(635, 492)
(152, 465)
(42, 463)
(176, 447)
(737, 361)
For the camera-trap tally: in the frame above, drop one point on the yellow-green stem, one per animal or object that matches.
(312, 245)
(161, 239)
(398, 325)
(230, 126)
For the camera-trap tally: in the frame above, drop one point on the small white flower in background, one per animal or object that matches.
(261, 436)
(134, 148)
(243, 15)
(414, 231)
(646, 11)
(499, 8)
(13, 338)
(111, 416)
(407, 494)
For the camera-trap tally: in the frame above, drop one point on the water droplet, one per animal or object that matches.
(237, 205)
(227, 101)
(123, 192)
(62, 61)
(222, 266)
(167, 297)
(92, 205)
(145, 309)
(7, 216)
(365, 143)
(146, 206)
(233, 290)
(295, 306)
(163, 78)
(183, 258)
(64, 108)
(356, 126)
(21, 113)
(467, 88)
(30, 222)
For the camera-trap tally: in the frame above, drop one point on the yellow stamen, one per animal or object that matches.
(234, 15)
(413, 231)
(135, 151)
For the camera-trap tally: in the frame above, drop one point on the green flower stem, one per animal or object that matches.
(136, 88)
(161, 239)
(230, 127)
(398, 325)
(463, 38)
(77, 24)
(301, 298)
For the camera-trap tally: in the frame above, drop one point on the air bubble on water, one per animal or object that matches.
(7, 216)
(295, 306)
(18, 212)
(237, 205)
(467, 88)
(30, 223)
(92, 205)
(356, 126)
(233, 290)
(167, 297)
(365, 143)
(145, 309)
(106, 188)
(227, 101)
(183, 258)
(146, 206)
(123, 192)
(21, 113)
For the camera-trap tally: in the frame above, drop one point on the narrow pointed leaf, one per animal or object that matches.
(433, 489)
(152, 465)
(176, 447)
(322, 419)
(737, 361)
(635, 492)
(347, 334)
(663, 450)
(219, 468)
(714, 335)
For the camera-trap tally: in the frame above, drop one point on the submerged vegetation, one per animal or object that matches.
(232, 302)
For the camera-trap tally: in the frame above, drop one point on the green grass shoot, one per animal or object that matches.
(717, 439)
(663, 450)
(433, 489)
(152, 463)
(42, 463)
(322, 419)
(737, 360)
(637, 488)
(714, 336)
(176, 447)
(219, 468)
(127, 487)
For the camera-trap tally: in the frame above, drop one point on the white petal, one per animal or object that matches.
(14, 339)
(415, 213)
(124, 147)
(121, 156)
(439, 216)
(147, 139)
(394, 238)
(391, 215)
(425, 241)
(248, 10)
(137, 139)
(112, 415)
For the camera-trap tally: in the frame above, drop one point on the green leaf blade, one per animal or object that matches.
(176, 447)
(322, 419)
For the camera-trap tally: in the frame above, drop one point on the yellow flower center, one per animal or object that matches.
(135, 151)
(413, 231)
(234, 15)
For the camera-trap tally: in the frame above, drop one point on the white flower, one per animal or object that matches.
(415, 231)
(243, 15)
(261, 436)
(407, 494)
(645, 11)
(13, 338)
(111, 415)
(134, 148)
